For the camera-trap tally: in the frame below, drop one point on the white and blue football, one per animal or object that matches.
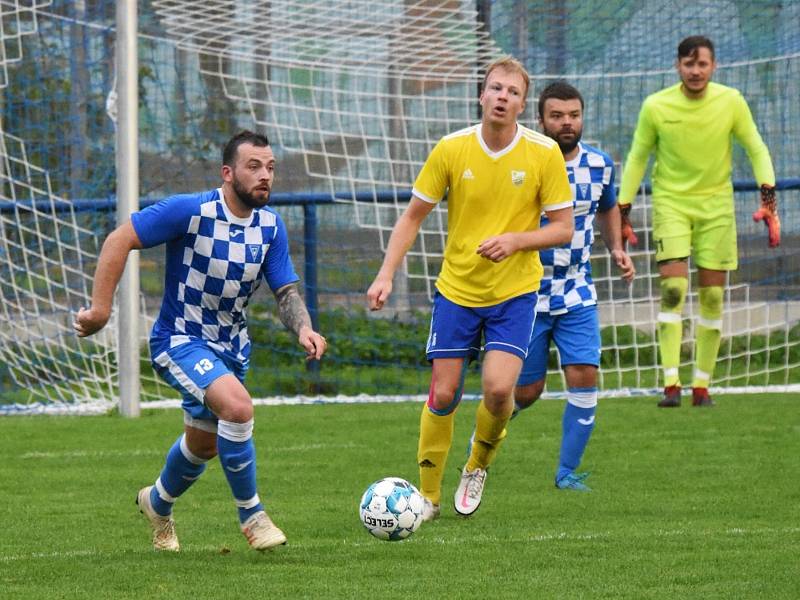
(391, 509)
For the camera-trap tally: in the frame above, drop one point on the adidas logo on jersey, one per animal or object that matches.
(467, 174)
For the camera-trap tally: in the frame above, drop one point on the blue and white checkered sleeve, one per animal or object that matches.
(278, 269)
(609, 196)
(165, 220)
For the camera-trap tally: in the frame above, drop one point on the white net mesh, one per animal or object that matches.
(362, 99)
(48, 254)
(45, 261)
(353, 95)
(365, 97)
(16, 20)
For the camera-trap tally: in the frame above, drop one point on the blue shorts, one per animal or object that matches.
(190, 368)
(456, 330)
(576, 335)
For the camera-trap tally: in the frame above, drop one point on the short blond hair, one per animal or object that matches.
(510, 64)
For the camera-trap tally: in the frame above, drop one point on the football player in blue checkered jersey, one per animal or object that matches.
(220, 244)
(566, 310)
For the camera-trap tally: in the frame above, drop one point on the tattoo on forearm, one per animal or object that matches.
(291, 308)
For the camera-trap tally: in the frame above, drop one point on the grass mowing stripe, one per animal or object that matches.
(686, 503)
(455, 540)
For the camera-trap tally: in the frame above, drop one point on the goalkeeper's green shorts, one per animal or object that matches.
(704, 232)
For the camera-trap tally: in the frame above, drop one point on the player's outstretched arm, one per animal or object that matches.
(768, 212)
(110, 265)
(294, 315)
(610, 225)
(403, 235)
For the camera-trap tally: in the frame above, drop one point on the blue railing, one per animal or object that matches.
(309, 202)
(295, 198)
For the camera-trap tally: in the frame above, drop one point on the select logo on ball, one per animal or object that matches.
(391, 509)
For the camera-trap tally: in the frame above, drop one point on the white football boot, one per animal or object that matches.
(470, 489)
(164, 536)
(261, 532)
(430, 511)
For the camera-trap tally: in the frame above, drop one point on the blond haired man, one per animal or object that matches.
(498, 177)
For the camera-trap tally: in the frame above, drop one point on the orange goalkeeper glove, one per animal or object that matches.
(626, 227)
(769, 214)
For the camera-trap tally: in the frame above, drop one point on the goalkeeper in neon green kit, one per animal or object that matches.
(689, 126)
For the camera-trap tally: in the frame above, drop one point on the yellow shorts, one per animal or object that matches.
(709, 237)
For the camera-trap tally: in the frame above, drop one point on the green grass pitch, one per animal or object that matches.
(687, 503)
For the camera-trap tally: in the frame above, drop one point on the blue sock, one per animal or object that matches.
(180, 471)
(237, 453)
(577, 426)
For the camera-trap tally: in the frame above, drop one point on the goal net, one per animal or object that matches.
(353, 96)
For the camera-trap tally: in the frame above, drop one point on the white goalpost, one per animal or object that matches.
(127, 152)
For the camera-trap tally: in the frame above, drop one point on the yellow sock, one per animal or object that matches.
(490, 431)
(707, 334)
(670, 326)
(435, 438)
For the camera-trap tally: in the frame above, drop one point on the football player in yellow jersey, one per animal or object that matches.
(690, 126)
(498, 176)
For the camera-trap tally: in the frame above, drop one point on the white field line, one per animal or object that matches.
(101, 408)
(66, 554)
(319, 446)
(93, 454)
(378, 399)
(454, 540)
(607, 535)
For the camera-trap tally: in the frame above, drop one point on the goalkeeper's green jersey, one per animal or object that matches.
(692, 139)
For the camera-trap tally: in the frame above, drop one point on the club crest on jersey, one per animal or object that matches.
(254, 252)
(584, 190)
(517, 177)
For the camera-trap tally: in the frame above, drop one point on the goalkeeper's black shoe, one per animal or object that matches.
(672, 397)
(700, 397)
